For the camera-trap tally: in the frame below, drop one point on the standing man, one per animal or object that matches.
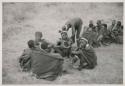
(76, 25)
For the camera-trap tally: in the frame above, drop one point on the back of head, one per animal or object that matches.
(119, 23)
(31, 44)
(64, 28)
(99, 22)
(105, 25)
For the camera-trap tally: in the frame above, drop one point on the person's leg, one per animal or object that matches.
(83, 63)
(73, 35)
(78, 33)
(69, 52)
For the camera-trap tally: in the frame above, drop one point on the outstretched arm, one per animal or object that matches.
(73, 31)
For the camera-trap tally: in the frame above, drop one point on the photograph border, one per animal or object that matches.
(106, 1)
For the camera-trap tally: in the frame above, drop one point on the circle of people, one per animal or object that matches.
(45, 60)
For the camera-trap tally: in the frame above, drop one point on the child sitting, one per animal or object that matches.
(63, 46)
(86, 54)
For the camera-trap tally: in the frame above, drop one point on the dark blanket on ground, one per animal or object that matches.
(44, 65)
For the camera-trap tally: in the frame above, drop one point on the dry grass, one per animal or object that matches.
(21, 20)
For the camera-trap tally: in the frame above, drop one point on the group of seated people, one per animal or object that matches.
(102, 34)
(45, 60)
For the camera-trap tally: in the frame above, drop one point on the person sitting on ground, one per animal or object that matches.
(118, 27)
(98, 26)
(117, 33)
(39, 60)
(42, 43)
(86, 54)
(91, 35)
(103, 35)
(91, 25)
(63, 45)
(112, 26)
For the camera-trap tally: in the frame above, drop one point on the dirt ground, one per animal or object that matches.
(22, 20)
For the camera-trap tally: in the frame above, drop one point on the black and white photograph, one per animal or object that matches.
(62, 43)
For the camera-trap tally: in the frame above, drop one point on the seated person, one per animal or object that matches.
(86, 54)
(103, 37)
(112, 26)
(39, 62)
(117, 33)
(63, 46)
(42, 43)
(98, 26)
(91, 36)
(25, 59)
(92, 26)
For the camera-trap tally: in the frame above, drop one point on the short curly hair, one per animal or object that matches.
(31, 44)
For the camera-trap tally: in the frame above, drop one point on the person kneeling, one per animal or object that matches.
(86, 54)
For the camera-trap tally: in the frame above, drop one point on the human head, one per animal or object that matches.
(113, 22)
(68, 25)
(65, 27)
(119, 23)
(99, 22)
(38, 35)
(83, 41)
(64, 34)
(90, 23)
(31, 44)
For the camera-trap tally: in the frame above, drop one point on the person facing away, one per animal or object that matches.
(39, 62)
(42, 43)
(86, 54)
(76, 25)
